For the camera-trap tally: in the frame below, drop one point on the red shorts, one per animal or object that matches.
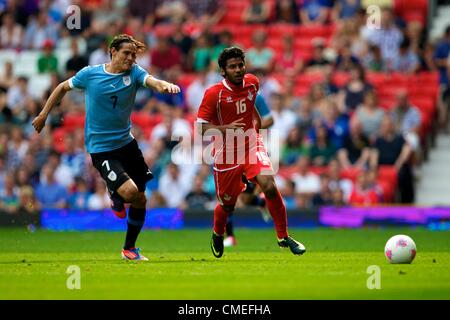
(228, 177)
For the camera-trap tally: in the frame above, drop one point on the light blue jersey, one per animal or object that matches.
(261, 107)
(109, 102)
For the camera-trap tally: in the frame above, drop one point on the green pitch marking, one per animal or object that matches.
(181, 266)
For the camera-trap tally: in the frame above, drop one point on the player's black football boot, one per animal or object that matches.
(217, 245)
(295, 246)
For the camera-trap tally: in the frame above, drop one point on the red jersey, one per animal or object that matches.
(224, 103)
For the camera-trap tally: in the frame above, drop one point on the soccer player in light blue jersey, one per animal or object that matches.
(110, 91)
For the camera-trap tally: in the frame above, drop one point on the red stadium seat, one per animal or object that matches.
(72, 121)
(351, 173)
(142, 119)
(388, 173)
(186, 79)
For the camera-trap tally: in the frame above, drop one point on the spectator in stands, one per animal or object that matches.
(284, 119)
(328, 85)
(363, 193)
(194, 92)
(78, 199)
(18, 95)
(345, 60)
(73, 157)
(259, 56)
(291, 98)
(391, 149)
(324, 197)
(268, 85)
(183, 42)
(373, 60)
(99, 199)
(77, 61)
(306, 182)
(286, 11)
(317, 97)
(257, 11)
(337, 182)
(198, 198)
(145, 10)
(201, 53)
(39, 30)
(441, 56)
(352, 95)
(63, 174)
(27, 201)
(205, 13)
(407, 119)
(174, 186)
(224, 40)
(294, 147)
(370, 114)
(165, 57)
(307, 115)
(101, 54)
(388, 38)
(17, 147)
(345, 9)
(47, 61)
(356, 148)
(335, 123)
(406, 61)
(157, 200)
(205, 171)
(9, 198)
(318, 60)
(288, 61)
(49, 193)
(11, 33)
(322, 148)
(313, 12)
(7, 79)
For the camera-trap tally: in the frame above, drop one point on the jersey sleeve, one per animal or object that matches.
(140, 75)
(261, 107)
(80, 79)
(207, 112)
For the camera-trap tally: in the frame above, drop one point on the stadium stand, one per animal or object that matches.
(422, 85)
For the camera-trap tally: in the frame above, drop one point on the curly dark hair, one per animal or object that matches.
(230, 53)
(117, 41)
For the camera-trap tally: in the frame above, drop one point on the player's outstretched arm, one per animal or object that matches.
(161, 86)
(56, 96)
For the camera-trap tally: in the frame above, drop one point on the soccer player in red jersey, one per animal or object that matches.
(226, 113)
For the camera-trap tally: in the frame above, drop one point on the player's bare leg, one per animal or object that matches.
(277, 210)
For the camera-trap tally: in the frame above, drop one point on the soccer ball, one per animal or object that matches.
(400, 249)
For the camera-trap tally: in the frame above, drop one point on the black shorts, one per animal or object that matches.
(117, 166)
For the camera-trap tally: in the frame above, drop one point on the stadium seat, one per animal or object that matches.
(72, 121)
(26, 63)
(186, 79)
(142, 119)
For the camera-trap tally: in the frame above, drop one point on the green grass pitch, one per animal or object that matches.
(181, 266)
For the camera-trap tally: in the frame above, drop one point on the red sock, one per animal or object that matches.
(220, 220)
(278, 212)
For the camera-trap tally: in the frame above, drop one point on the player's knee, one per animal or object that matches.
(269, 188)
(141, 200)
(130, 194)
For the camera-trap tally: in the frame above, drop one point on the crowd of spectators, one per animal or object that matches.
(322, 125)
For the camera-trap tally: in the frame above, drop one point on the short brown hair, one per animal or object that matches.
(118, 40)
